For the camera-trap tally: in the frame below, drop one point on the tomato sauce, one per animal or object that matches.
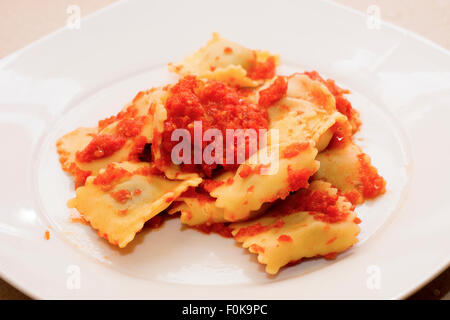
(257, 228)
(129, 112)
(262, 69)
(80, 176)
(298, 179)
(130, 127)
(121, 196)
(257, 248)
(294, 149)
(217, 105)
(101, 146)
(219, 228)
(112, 174)
(248, 170)
(331, 215)
(342, 104)
(318, 203)
(227, 50)
(373, 184)
(209, 185)
(285, 238)
(104, 145)
(275, 92)
(331, 256)
(352, 196)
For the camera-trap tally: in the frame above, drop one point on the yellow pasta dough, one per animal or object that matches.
(303, 87)
(77, 140)
(340, 167)
(254, 184)
(302, 116)
(140, 109)
(223, 60)
(299, 120)
(171, 170)
(198, 211)
(119, 208)
(350, 170)
(291, 195)
(203, 210)
(280, 239)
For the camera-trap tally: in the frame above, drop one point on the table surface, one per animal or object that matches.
(32, 20)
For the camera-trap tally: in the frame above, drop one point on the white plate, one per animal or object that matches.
(400, 83)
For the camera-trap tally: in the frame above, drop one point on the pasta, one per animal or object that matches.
(349, 169)
(235, 149)
(229, 62)
(84, 151)
(170, 170)
(253, 185)
(284, 236)
(119, 200)
(199, 209)
(297, 120)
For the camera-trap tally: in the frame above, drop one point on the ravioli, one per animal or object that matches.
(342, 104)
(255, 184)
(308, 112)
(302, 87)
(78, 140)
(299, 120)
(119, 200)
(281, 236)
(229, 62)
(200, 209)
(171, 170)
(131, 129)
(350, 170)
(231, 145)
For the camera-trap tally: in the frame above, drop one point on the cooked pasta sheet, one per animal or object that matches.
(313, 222)
(198, 210)
(84, 151)
(255, 184)
(121, 198)
(299, 120)
(171, 170)
(231, 145)
(342, 104)
(229, 62)
(301, 86)
(307, 111)
(350, 170)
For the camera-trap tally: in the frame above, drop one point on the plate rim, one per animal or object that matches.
(8, 59)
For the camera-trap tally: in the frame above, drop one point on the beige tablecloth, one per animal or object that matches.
(23, 21)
